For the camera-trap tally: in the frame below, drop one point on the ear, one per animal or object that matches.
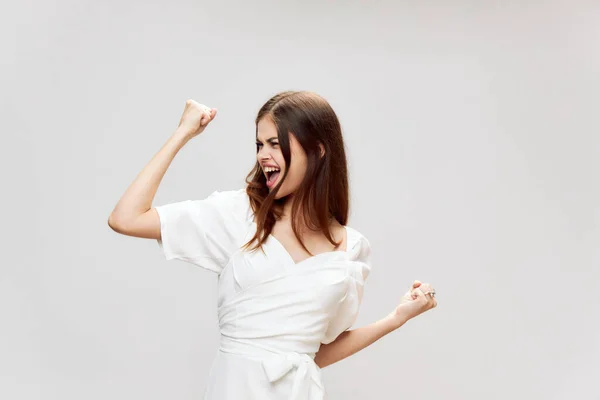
(322, 149)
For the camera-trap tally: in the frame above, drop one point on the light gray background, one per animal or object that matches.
(471, 130)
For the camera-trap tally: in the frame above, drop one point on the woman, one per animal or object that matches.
(291, 273)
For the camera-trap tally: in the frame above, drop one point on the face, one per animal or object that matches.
(270, 158)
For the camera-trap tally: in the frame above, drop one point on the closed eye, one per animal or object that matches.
(259, 144)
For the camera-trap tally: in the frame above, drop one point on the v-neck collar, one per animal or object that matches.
(313, 257)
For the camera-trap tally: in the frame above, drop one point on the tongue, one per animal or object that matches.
(273, 177)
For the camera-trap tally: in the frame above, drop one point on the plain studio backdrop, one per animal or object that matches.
(472, 137)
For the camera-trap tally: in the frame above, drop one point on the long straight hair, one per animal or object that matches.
(324, 191)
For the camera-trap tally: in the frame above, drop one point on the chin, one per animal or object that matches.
(284, 192)
(280, 195)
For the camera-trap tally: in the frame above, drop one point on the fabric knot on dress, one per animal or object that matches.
(279, 365)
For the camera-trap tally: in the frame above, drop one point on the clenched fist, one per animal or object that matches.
(194, 119)
(418, 299)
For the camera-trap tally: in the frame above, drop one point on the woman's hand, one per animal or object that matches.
(194, 119)
(417, 300)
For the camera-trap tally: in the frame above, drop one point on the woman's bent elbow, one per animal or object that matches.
(146, 225)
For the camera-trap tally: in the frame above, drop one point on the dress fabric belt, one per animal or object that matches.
(307, 383)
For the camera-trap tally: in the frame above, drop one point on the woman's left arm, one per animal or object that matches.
(413, 303)
(350, 342)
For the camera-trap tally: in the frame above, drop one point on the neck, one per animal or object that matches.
(287, 208)
(287, 215)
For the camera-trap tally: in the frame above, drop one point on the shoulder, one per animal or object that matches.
(220, 206)
(235, 202)
(359, 249)
(359, 246)
(228, 195)
(231, 198)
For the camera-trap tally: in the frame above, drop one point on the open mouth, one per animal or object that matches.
(272, 174)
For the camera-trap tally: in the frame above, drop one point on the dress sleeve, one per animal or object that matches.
(204, 232)
(347, 311)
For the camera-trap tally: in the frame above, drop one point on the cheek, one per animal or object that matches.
(278, 156)
(298, 168)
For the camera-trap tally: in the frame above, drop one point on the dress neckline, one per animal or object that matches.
(289, 256)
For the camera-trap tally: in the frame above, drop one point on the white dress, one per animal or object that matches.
(273, 313)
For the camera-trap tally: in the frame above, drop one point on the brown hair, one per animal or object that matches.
(324, 192)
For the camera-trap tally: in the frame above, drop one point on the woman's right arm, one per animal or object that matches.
(134, 215)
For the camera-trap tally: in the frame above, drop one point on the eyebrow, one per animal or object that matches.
(270, 140)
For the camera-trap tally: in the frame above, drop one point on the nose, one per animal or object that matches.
(263, 154)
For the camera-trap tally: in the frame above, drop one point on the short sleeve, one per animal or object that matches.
(205, 232)
(349, 305)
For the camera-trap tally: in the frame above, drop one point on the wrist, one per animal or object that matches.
(180, 136)
(398, 318)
